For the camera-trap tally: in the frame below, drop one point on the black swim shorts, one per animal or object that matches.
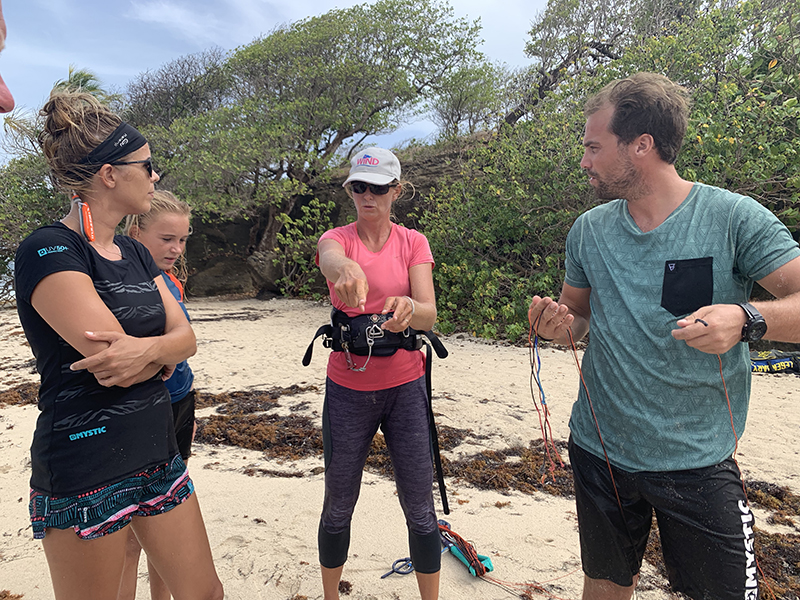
(183, 417)
(705, 524)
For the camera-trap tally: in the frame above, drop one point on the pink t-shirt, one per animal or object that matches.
(387, 275)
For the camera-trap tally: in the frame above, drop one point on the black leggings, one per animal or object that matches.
(350, 419)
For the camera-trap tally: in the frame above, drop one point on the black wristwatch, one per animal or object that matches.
(755, 326)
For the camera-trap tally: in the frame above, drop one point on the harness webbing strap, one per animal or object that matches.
(437, 459)
(326, 330)
(329, 332)
(441, 351)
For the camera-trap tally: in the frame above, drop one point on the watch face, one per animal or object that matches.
(756, 330)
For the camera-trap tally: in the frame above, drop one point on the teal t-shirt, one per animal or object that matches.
(660, 404)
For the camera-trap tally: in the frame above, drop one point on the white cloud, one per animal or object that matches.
(61, 10)
(505, 26)
(227, 23)
(200, 28)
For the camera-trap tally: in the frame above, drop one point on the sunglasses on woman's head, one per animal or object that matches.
(147, 162)
(359, 187)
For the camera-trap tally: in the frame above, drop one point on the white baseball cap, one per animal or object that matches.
(374, 165)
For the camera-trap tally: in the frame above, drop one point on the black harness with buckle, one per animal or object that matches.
(362, 336)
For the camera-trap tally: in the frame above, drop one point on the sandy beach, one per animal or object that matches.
(262, 513)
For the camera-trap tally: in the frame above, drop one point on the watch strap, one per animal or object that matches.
(752, 315)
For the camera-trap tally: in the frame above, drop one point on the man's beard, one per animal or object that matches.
(627, 185)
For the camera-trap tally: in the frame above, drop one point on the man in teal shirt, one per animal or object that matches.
(661, 277)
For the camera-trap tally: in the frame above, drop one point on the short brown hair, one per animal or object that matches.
(646, 103)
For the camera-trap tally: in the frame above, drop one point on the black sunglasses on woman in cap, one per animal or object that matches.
(359, 187)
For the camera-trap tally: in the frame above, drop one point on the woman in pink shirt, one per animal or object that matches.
(374, 266)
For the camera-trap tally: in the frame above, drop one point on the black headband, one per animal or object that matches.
(122, 141)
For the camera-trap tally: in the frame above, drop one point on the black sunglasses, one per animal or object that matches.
(147, 162)
(359, 187)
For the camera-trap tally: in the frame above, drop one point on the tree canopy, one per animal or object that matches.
(470, 100)
(498, 230)
(296, 97)
(272, 116)
(256, 132)
(187, 86)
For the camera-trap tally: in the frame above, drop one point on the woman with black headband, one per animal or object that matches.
(105, 332)
(379, 271)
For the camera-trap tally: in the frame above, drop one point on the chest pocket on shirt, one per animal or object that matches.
(688, 285)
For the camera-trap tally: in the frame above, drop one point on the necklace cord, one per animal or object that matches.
(86, 225)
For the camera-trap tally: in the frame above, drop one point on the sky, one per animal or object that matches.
(118, 39)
